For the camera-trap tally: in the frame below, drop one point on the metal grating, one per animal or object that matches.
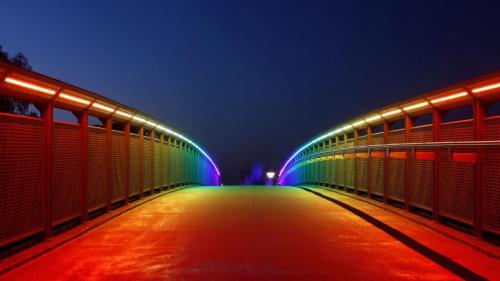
(158, 179)
(362, 140)
(396, 136)
(396, 172)
(21, 171)
(456, 189)
(135, 165)
(165, 160)
(457, 131)
(421, 177)
(96, 166)
(362, 174)
(377, 176)
(118, 175)
(492, 129)
(421, 134)
(147, 158)
(66, 172)
(491, 191)
(349, 172)
(339, 164)
(377, 138)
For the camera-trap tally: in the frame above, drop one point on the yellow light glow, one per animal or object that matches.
(73, 98)
(450, 97)
(151, 123)
(392, 112)
(415, 106)
(102, 106)
(486, 88)
(360, 122)
(137, 118)
(346, 127)
(373, 118)
(124, 114)
(29, 86)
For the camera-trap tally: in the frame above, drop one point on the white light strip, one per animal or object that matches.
(415, 106)
(137, 118)
(392, 112)
(450, 97)
(373, 118)
(73, 98)
(103, 107)
(151, 123)
(360, 122)
(124, 114)
(486, 88)
(30, 86)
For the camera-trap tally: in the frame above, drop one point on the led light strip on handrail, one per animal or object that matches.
(387, 114)
(97, 105)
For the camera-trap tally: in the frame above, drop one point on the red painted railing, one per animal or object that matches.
(437, 154)
(53, 173)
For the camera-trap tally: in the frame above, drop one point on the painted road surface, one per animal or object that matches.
(234, 233)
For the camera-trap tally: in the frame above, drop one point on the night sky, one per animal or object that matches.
(252, 80)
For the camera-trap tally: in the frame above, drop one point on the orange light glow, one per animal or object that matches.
(73, 98)
(392, 112)
(415, 106)
(102, 106)
(450, 97)
(486, 88)
(124, 114)
(29, 86)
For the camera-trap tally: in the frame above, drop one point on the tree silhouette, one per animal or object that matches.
(12, 105)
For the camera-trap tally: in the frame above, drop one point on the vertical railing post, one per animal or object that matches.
(345, 163)
(369, 131)
(108, 125)
(127, 161)
(83, 119)
(48, 122)
(141, 161)
(162, 178)
(479, 114)
(337, 142)
(409, 157)
(386, 162)
(355, 162)
(152, 138)
(436, 137)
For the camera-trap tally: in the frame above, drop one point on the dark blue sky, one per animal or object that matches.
(252, 80)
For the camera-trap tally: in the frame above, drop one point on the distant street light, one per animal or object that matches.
(270, 175)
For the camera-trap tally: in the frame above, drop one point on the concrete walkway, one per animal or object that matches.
(234, 233)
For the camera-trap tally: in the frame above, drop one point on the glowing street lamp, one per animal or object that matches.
(270, 175)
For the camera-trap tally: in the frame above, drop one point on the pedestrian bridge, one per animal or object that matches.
(409, 191)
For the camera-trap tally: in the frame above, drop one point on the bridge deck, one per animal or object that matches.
(234, 233)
